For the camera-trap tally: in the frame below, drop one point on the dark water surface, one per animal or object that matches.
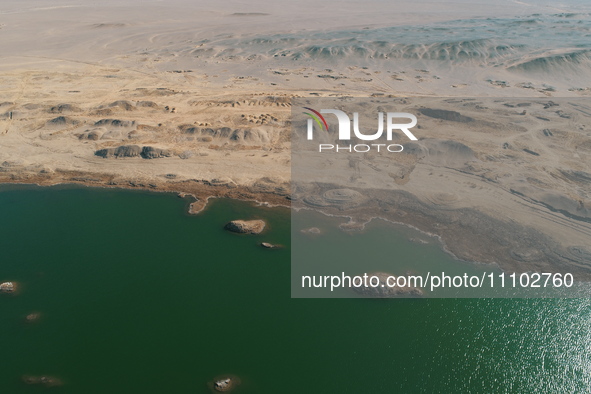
(136, 296)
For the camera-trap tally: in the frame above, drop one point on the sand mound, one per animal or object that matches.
(93, 134)
(147, 104)
(445, 115)
(115, 122)
(123, 104)
(340, 196)
(112, 135)
(445, 153)
(150, 152)
(147, 152)
(572, 61)
(448, 153)
(65, 108)
(62, 121)
(122, 151)
(236, 135)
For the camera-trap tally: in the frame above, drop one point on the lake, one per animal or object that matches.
(136, 296)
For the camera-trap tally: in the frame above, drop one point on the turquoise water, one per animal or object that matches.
(380, 247)
(136, 296)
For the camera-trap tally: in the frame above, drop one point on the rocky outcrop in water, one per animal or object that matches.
(311, 230)
(246, 226)
(32, 317)
(47, 381)
(7, 287)
(383, 289)
(223, 385)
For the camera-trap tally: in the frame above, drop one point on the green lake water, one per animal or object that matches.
(136, 296)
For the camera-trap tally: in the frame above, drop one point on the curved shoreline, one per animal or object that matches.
(467, 234)
(484, 241)
(438, 237)
(278, 201)
(198, 190)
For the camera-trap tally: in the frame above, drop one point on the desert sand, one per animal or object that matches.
(195, 97)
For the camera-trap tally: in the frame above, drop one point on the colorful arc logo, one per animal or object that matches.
(317, 117)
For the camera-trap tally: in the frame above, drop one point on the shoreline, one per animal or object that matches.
(264, 203)
(439, 240)
(468, 235)
(198, 190)
(451, 239)
(360, 217)
(204, 201)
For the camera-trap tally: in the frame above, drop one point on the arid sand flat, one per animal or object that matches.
(512, 188)
(196, 98)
